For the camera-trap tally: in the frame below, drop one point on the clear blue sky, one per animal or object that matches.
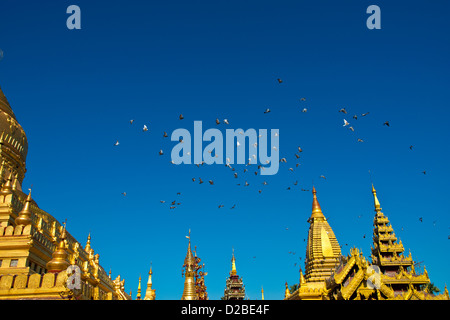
(74, 92)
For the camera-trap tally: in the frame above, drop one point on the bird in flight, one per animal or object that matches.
(226, 121)
(217, 121)
(360, 140)
(131, 121)
(364, 114)
(279, 80)
(267, 110)
(117, 143)
(145, 128)
(161, 152)
(386, 123)
(181, 117)
(343, 111)
(165, 134)
(346, 123)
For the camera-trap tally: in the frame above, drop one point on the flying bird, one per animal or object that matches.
(181, 117)
(161, 152)
(131, 121)
(343, 111)
(345, 123)
(226, 121)
(360, 140)
(364, 114)
(117, 143)
(217, 121)
(279, 80)
(267, 110)
(145, 128)
(165, 134)
(322, 176)
(386, 123)
(304, 110)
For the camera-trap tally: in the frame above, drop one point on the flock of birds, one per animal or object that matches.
(245, 183)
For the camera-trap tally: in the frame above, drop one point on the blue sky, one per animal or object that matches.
(75, 91)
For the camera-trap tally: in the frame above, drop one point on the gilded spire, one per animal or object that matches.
(262, 293)
(138, 295)
(287, 293)
(189, 292)
(7, 187)
(316, 210)
(59, 261)
(88, 243)
(150, 293)
(375, 200)
(233, 265)
(24, 217)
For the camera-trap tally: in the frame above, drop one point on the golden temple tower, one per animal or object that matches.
(189, 292)
(391, 276)
(150, 293)
(235, 289)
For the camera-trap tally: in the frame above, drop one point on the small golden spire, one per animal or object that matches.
(287, 293)
(316, 210)
(262, 293)
(59, 261)
(233, 265)
(24, 217)
(375, 200)
(150, 293)
(138, 296)
(7, 187)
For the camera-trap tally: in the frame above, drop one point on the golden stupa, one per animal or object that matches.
(35, 249)
(331, 276)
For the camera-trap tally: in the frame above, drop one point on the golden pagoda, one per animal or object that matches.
(322, 256)
(35, 249)
(189, 291)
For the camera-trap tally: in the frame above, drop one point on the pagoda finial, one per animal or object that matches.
(189, 292)
(233, 265)
(316, 210)
(7, 187)
(375, 200)
(262, 293)
(150, 293)
(88, 243)
(24, 217)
